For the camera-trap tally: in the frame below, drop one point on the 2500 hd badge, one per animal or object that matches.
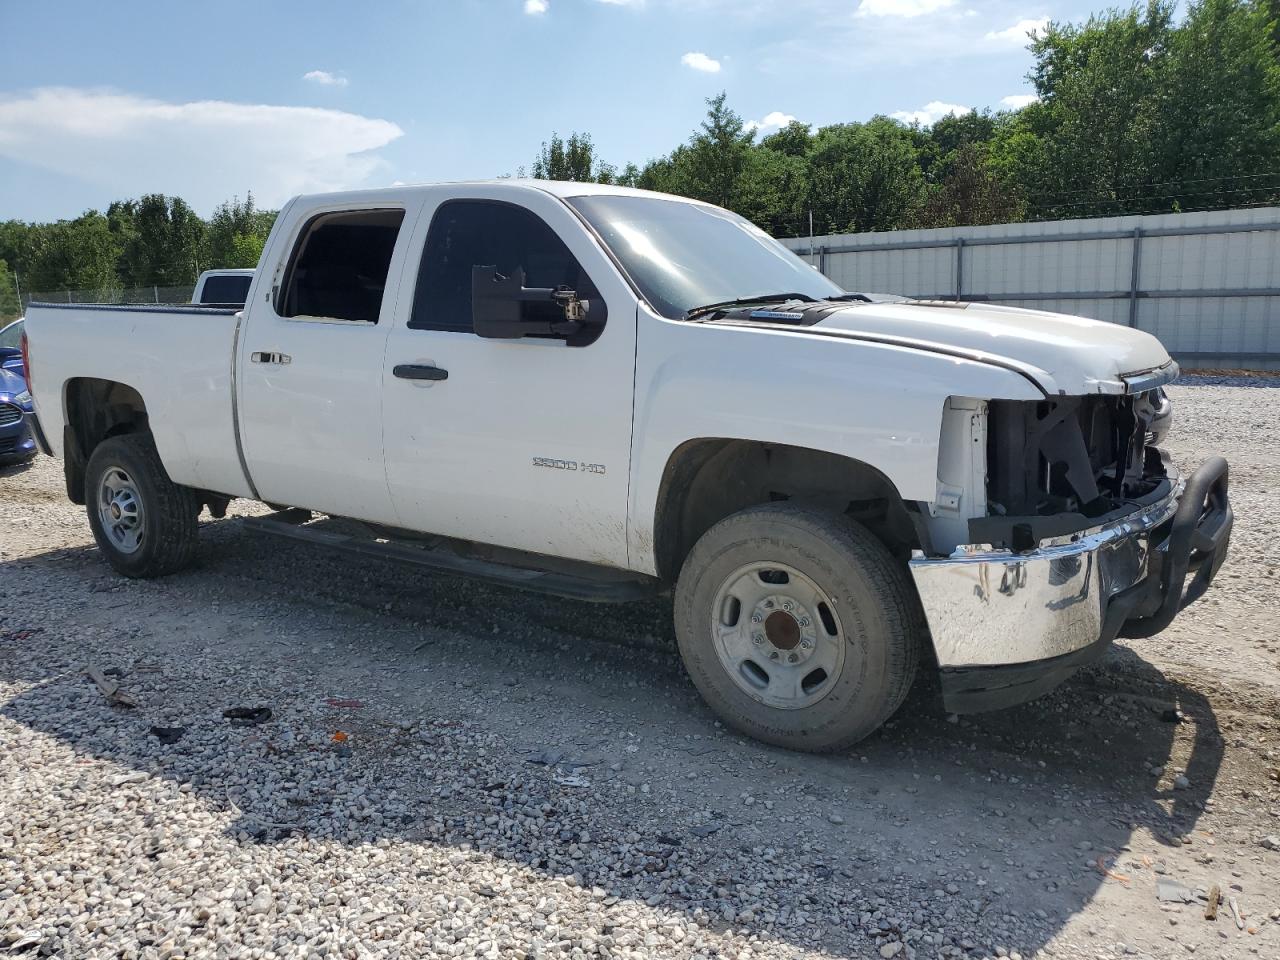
(575, 465)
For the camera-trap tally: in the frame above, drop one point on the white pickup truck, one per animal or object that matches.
(601, 392)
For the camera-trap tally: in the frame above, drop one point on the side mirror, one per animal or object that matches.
(497, 307)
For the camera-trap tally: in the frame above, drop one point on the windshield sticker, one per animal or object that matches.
(776, 315)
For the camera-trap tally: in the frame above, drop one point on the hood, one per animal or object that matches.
(1063, 354)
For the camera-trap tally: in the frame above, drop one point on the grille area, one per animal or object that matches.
(9, 414)
(1053, 466)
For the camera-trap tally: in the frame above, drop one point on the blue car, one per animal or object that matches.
(16, 442)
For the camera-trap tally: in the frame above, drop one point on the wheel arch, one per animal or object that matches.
(93, 410)
(710, 478)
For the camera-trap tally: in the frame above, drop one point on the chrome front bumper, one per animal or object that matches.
(1008, 626)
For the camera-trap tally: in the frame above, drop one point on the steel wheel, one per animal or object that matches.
(777, 635)
(120, 510)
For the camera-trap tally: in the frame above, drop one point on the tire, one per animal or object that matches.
(845, 682)
(163, 540)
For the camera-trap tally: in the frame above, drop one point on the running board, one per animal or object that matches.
(598, 584)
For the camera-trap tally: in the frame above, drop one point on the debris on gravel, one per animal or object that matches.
(419, 766)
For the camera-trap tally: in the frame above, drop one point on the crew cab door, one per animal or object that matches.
(520, 443)
(311, 357)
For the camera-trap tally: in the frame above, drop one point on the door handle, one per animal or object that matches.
(419, 371)
(262, 356)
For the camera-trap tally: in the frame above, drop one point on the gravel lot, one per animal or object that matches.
(451, 769)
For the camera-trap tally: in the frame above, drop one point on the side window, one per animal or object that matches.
(339, 267)
(467, 233)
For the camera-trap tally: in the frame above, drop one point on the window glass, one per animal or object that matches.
(684, 255)
(11, 336)
(468, 233)
(339, 267)
(232, 289)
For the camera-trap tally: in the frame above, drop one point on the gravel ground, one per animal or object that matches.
(451, 769)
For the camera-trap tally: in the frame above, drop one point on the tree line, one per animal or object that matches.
(1135, 113)
(153, 241)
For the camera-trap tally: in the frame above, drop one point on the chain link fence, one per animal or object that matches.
(152, 294)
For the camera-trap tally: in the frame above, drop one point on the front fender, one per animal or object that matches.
(881, 404)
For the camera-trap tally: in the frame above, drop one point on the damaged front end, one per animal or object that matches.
(1083, 531)
(1061, 465)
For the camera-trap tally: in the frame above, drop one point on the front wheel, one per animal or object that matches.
(143, 522)
(798, 626)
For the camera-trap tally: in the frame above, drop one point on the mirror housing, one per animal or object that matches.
(497, 306)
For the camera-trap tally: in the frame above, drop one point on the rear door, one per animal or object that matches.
(311, 360)
(526, 444)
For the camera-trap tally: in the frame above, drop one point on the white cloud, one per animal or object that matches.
(931, 113)
(772, 121)
(325, 78)
(535, 7)
(1017, 101)
(700, 62)
(901, 8)
(1018, 32)
(204, 151)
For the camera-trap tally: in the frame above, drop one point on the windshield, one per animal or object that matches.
(11, 336)
(683, 255)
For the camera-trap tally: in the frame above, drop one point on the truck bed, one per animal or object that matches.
(138, 345)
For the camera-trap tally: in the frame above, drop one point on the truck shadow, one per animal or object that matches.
(563, 738)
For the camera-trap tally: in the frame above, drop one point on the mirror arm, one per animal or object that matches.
(489, 284)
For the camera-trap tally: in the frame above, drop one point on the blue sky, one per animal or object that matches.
(100, 101)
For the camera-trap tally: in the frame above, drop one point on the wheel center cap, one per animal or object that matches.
(782, 630)
(115, 511)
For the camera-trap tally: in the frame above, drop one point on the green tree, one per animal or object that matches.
(10, 306)
(1018, 157)
(1219, 96)
(236, 234)
(771, 191)
(864, 176)
(1098, 84)
(161, 239)
(716, 157)
(15, 245)
(970, 193)
(246, 249)
(943, 142)
(794, 139)
(628, 176)
(572, 159)
(79, 254)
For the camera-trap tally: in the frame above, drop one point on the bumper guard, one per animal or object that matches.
(1008, 627)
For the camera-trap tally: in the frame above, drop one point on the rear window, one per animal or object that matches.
(232, 289)
(338, 270)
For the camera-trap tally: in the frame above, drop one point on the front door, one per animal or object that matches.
(310, 365)
(527, 442)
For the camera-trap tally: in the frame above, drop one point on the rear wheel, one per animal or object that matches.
(143, 522)
(798, 626)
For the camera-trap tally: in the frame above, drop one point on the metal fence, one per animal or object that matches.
(1207, 284)
(111, 295)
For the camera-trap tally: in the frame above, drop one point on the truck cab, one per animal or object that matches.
(590, 386)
